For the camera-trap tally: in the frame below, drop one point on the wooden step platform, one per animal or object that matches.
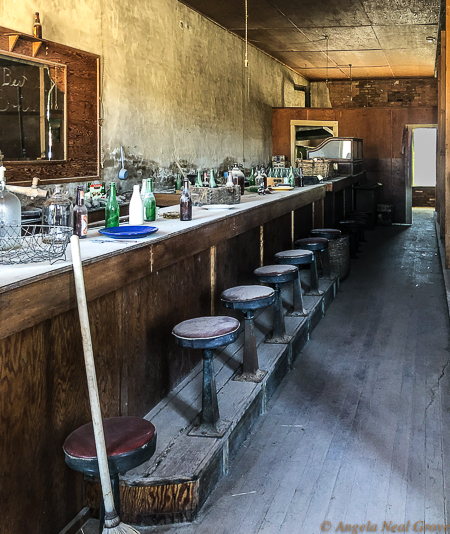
(176, 482)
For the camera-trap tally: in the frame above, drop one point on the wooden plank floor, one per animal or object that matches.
(358, 431)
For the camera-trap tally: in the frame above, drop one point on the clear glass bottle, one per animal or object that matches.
(112, 208)
(205, 180)
(136, 209)
(10, 217)
(57, 212)
(149, 202)
(185, 202)
(80, 215)
(144, 189)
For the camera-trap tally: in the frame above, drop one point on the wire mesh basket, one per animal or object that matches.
(33, 243)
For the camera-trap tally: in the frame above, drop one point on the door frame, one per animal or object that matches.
(407, 151)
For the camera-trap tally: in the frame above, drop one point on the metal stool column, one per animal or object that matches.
(331, 234)
(277, 275)
(315, 245)
(248, 299)
(296, 257)
(207, 333)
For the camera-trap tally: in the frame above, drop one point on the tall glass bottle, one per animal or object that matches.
(251, 180)
(80, 215)
(212, 181)
(185, 202)
(136, 209)
(149, 203)
(112, 208)
(10, 216)
(198, 181)
(291, 177)
(144, 189)
(37, 27)
(205, 180)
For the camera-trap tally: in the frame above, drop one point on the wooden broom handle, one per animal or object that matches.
(94, 399)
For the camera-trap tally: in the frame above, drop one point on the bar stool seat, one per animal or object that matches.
(277, 275)
(316, 245)
(130, 441)
(248, 299)
(296, 257)
(327, 233)
(207, 333)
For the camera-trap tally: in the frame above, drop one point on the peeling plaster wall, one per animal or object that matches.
(174, 85)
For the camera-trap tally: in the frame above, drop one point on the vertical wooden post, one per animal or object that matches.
(440, 174)
(445, 74)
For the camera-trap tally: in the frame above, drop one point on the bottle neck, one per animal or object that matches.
(80, 197)
(150, 186)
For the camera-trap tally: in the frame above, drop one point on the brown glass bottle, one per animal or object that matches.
(185, 202)
(37, 27)
(80, 215)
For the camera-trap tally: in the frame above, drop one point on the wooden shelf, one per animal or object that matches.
(35, 43)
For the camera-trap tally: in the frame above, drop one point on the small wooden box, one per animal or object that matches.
(216, 195)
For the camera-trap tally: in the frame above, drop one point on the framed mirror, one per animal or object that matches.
(49, 110)
(32, 109)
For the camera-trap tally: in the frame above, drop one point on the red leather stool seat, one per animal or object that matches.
(122, 435)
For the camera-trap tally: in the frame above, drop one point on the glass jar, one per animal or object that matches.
(57, 212)
(10, 219)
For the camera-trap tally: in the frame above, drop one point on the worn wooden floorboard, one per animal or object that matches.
(358, 431)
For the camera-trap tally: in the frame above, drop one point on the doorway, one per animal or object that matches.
(421, 167)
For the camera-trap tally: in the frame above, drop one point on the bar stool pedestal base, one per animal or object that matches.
(258, 376)
(208, 431)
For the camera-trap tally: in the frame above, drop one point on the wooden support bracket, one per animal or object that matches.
(35, 43)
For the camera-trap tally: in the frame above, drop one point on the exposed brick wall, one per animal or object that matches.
(399, 92)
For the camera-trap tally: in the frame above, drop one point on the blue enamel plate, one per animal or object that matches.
(124, 232)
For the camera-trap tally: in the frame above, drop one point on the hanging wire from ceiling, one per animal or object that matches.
(326, 79)
(246, 34)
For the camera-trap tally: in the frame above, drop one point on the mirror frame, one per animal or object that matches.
(82, 133)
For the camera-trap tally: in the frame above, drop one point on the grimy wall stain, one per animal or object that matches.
(174, 84)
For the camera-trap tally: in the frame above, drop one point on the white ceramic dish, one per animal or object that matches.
(218, 207)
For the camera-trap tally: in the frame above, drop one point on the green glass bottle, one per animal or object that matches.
(112, 208)
(291, 177)
(149, 203)
(178, 182)
(251, 180)
(198, 181)
(212, 181)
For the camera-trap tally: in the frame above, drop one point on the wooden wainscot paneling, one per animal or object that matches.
(172, 503)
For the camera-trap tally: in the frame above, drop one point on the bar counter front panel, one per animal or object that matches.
(136, 293)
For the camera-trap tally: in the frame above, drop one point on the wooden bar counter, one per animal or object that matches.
(136, 292)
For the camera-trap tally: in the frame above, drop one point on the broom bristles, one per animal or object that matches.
(121, 528)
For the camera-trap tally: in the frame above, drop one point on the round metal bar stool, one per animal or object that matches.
(248, 299)
(327, 233)
(130, 441)
(208, 333)
(277, 275)
(316, 245)
(296, 257)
